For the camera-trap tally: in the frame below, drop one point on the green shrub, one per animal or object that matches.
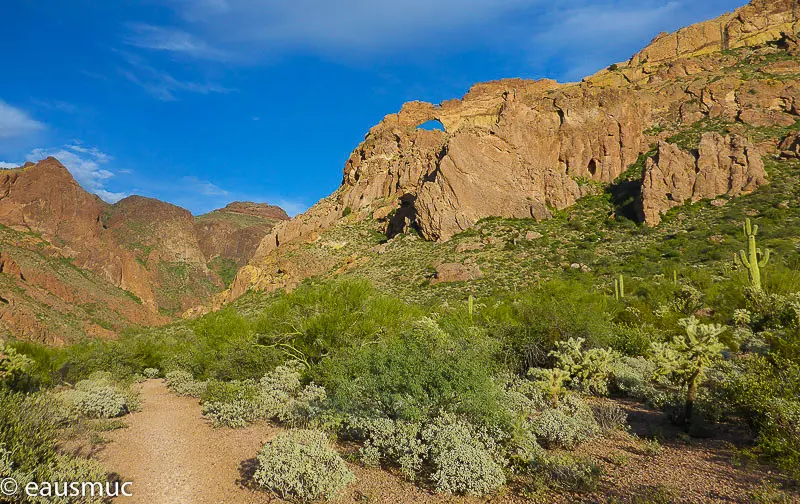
(529, 323)
(566, 426)
(279, 395)
(14, 368)
(99, 401)
(392, 442)
(415, 376)
(301, 465)
(633, 377)
(151, 373)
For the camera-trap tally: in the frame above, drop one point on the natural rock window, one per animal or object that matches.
(432, 125)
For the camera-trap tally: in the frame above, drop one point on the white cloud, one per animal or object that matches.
(6, 166)
(172, 40)
(85, 165)
(15, 123)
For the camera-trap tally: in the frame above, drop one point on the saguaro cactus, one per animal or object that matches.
(752, 259)
(619, 287)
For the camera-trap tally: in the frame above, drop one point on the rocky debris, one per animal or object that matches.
(456, 272)
(724, 165)
(532, 235)
(790, 146)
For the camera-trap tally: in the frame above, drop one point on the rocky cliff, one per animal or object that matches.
(72, 265)
(524, 149)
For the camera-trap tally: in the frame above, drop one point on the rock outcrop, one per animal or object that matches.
(522, 148)
(723, 165)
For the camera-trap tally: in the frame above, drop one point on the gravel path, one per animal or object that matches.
(172, 455)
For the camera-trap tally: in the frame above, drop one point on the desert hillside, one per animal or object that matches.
(74, 265)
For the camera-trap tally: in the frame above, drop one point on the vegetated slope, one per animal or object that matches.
(230, 236)
(686, 119)
(74, 265)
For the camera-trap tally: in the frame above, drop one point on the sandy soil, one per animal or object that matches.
(173, 455)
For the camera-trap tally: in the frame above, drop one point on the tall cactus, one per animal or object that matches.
(752, 259)
(619, 287)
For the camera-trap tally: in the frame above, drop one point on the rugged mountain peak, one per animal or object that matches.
(262, 210)
(45, 198)
(152, 249)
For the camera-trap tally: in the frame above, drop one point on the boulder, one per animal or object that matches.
(456, 272)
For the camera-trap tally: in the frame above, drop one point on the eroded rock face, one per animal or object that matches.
(519, 148)
(724, 165)
(790, 146)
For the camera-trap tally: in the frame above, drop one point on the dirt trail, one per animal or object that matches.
(172, 455)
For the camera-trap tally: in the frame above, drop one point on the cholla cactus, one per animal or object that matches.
(742, 317)
(552, 382)
(588, 368)
(752, 259)
(12, 364)
(686, 358)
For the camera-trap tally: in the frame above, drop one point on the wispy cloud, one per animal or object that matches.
(86, 165)
(203, 187)
(58, 105)
(606, 33)
(172, 40)
(15, 123)
(161, 84)
(566, 38)
(5, 166)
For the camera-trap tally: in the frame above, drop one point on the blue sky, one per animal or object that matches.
(202, 102)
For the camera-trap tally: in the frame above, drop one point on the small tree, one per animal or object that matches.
(686, 358)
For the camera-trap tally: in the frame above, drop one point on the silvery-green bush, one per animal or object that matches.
(461, 463)
(633, 377)
(301, 465)
(183, 383)
(151, 373)
(393, 442)
(98, 397)
(279, 395)
(566, 426)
